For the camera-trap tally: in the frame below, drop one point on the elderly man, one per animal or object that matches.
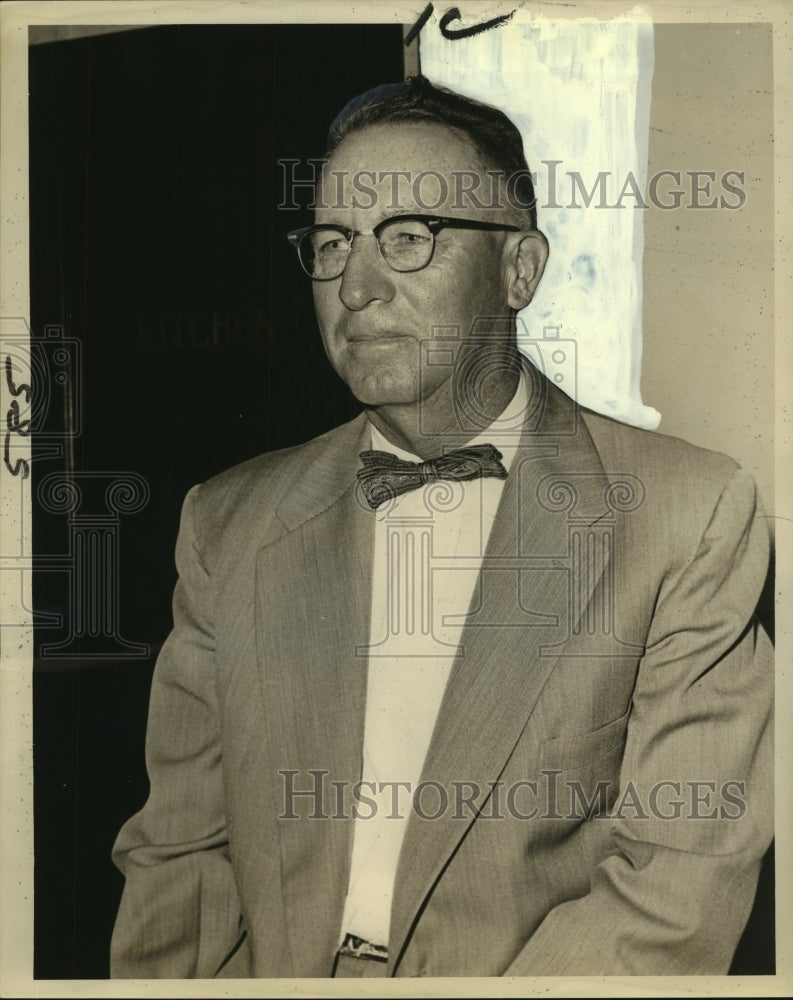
(472, 684)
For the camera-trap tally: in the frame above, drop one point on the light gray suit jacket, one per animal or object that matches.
(610, 649)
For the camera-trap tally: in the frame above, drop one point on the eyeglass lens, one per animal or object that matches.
(406, 245)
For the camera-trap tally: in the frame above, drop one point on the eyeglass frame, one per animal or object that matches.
(433, 222)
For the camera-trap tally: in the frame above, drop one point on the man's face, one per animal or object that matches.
(372, 318)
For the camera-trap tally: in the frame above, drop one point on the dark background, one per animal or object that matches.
(156, 244)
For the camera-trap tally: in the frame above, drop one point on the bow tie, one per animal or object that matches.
(385, 476)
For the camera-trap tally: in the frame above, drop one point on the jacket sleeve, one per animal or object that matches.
(674, 891)
(179, 915)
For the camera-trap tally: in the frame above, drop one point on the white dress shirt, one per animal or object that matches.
(429, 545)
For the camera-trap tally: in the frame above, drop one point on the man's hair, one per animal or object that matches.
(492, 134)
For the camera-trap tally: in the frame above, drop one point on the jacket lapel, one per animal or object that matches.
(515, 631)
(313, 601)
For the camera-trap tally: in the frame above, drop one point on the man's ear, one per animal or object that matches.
(528, 254)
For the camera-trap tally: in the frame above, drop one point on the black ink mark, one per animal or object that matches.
(423, 18)
(453, 14)
(13, 389)
(14, 424)
(20, 465)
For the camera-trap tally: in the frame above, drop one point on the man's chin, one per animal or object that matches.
(384, 395)
(394, 386)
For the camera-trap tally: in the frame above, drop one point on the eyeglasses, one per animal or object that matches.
(406, 242)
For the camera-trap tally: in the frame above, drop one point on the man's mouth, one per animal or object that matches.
(375, 338)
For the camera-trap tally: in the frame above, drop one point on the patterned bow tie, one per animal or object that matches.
(385, 476)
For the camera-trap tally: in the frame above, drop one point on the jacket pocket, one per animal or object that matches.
(567, 753)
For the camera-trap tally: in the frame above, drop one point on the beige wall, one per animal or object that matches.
(708, 358)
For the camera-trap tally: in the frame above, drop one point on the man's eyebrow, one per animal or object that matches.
(394, 213)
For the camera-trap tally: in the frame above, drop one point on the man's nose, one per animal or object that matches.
(366, 277)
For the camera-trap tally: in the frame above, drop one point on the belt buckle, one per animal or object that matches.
(355, 947)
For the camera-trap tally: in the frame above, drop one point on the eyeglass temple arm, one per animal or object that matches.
(453, 223)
